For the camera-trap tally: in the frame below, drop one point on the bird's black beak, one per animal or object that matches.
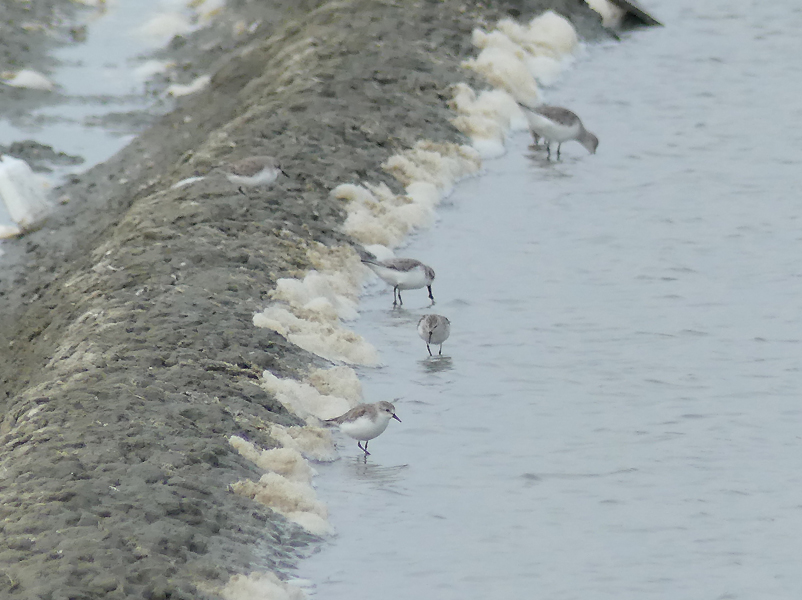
(395, 416)
(283, 172)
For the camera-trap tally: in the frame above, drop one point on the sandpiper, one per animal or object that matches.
(558, 124)
(403, 274)
(365, 422)
(434, 329)
(253, 171)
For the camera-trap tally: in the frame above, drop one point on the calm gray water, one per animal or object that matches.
(97, 85)
(618, 415)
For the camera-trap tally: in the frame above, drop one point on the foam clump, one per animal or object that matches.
(322, 337)
(378, 216)
(29, 79)
(554, 32)
(295, 500)
(162, 27)
(611, 14)
(503, 69)
(149, 68)
(178, 89)
(440, 164)
(514, 58)
(286, 487)
(304, 399)
(312, 308)
(331, 287)
(428, 171)
(208, 9)
(487, 118)
(23, 194)
(314, 443)
(287, 462)
(260, 586)
(337, 381)
(546, 69)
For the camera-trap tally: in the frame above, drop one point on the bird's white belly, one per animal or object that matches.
(554, 132)
(363, 428)
(404, 280)
(263, 177)
(439, 334)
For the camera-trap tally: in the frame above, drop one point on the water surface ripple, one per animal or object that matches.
(618, 414)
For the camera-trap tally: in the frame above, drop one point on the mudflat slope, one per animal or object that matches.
(127, 349)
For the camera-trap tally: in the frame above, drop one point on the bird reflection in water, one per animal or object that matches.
(366, 470)
(436, 364)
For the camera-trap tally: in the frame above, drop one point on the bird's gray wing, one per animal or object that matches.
(558, 114)
(401, 264)
(353, 414)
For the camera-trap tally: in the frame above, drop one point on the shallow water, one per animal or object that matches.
(617, 412)
(98, 85)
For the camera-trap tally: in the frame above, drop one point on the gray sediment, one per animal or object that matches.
(127, 349)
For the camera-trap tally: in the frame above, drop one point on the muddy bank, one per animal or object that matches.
(128, 350)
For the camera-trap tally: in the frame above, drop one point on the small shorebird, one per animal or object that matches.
(558, 124)
(434, 329)
(365, 422)
(402, 274)
(253, 171)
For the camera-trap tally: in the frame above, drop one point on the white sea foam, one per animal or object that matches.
(208, 9)
(310, 309)
(162, 27)
(28, 78)
(428, 171)
(149, 68)
(486, 118)
(546, 69)
(287, 462)
(514, 58)
(296, 500)
(285, 488)
(315, 332)
(304, 399)
(337, 381)
(314, 443)
(440, 164)
(610, 13)
(339, 289)
(260, 586)
(503, 69)
(23, 193)
(196, 85)
(547, 34)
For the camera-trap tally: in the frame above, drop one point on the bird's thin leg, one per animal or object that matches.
(365, 449)
(558, 149)
(441, 350)
(429, 349)
(241, 191)
(395, 290)
(400, 302)
(548, 150)
(431, 296)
